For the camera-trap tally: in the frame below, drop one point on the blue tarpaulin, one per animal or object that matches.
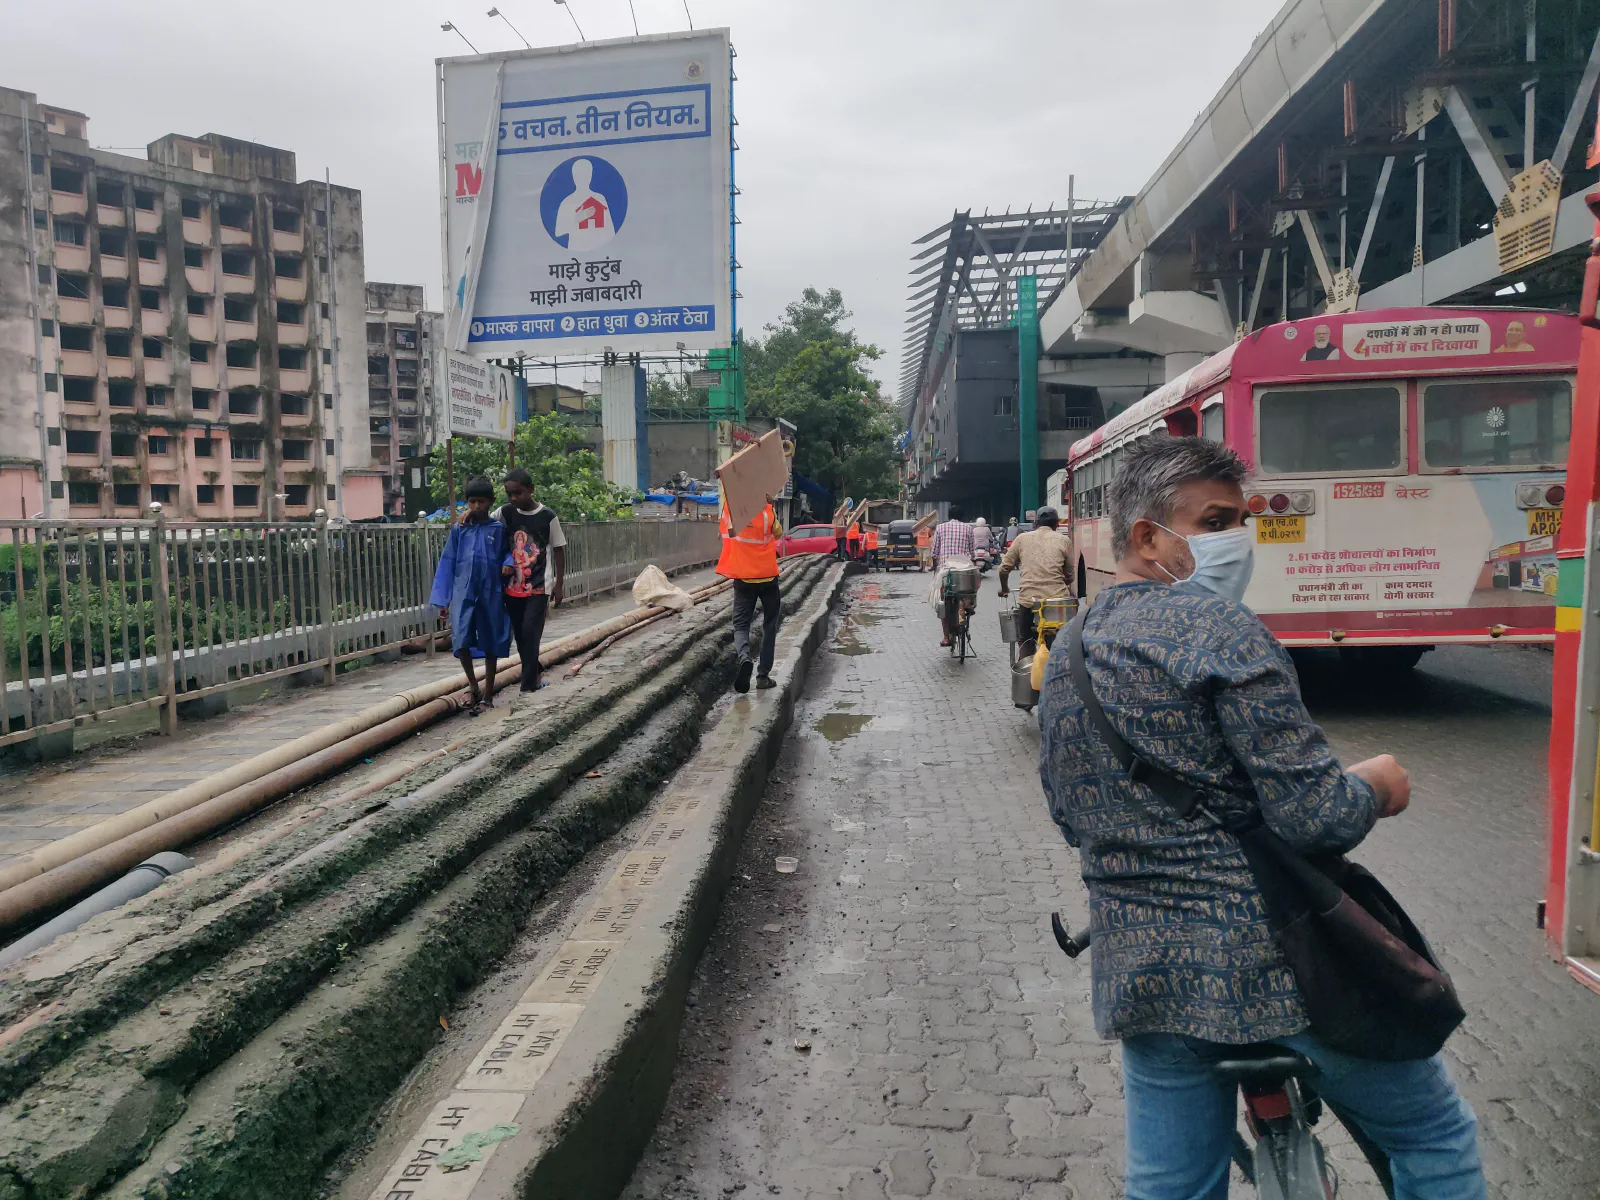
(815, 490)
(673, 497)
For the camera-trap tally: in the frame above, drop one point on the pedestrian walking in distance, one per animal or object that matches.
(750, 559)
(466, 591)
(535, 569)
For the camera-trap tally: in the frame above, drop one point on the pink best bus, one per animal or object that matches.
(1409, 473)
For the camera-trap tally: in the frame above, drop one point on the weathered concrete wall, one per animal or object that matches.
(19, 404)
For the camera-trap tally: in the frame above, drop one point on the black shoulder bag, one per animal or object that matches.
(1371, 986)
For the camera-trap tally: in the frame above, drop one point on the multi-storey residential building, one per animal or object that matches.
(184, 328)
(403, 342)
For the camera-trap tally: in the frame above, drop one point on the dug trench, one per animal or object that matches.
(229, 1037)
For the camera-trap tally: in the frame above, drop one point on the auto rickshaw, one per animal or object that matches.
(900, 546)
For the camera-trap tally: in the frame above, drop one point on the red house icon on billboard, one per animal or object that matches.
(594, 214)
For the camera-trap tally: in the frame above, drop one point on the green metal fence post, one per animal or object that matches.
(1028, 390)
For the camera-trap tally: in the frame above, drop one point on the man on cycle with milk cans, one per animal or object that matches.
(952, 550)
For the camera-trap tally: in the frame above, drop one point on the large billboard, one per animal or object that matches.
(585, 194)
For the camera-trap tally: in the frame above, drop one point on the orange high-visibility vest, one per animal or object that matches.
(753, 554)
(872, 539)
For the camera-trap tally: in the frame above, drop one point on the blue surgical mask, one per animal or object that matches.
(1223, 561)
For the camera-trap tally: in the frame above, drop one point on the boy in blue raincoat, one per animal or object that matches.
(467, 591)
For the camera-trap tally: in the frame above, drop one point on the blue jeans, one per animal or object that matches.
(1181, 1118)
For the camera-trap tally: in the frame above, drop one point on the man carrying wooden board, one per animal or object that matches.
(750, 558)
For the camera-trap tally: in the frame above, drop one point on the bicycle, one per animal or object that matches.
(1281, 1107)
(960, 639)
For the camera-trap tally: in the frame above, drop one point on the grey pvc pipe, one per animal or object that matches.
(146, 877)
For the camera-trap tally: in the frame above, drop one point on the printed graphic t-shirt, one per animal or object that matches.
(530, 536)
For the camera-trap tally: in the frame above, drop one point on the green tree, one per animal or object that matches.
(812, 370)
(566, 474)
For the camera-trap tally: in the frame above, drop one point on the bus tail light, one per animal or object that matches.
(1257, 504)
(1303, 502)
(1555, 495)
(1279, 503)
(1530, 495)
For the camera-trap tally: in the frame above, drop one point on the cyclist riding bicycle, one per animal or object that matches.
(952, 551)
(1043, 557)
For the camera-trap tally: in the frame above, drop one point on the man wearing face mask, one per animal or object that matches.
(1185, 969)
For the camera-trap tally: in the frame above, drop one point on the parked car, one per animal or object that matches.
(809, 539)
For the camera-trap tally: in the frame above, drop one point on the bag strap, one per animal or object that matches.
(1179, 796)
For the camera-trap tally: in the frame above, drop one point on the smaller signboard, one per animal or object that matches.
(482, 398)
(705, 379)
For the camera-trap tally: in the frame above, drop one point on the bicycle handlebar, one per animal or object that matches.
(1072, 944)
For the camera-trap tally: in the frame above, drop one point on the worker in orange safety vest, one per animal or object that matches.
(750, 559)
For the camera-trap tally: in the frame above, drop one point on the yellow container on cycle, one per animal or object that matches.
(1052, 616)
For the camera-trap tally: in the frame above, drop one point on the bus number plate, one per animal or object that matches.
(1544, 522)
(1280, 529)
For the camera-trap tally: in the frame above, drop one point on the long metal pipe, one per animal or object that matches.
(145, 877)
(202, 813)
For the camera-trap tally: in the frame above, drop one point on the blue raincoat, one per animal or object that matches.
(468, 584)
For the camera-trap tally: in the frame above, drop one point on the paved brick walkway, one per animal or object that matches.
(893, 1019)
(43, 803)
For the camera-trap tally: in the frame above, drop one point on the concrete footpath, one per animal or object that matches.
(41, 803)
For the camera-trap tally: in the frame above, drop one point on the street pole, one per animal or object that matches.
(450, 478)
(1028, 390)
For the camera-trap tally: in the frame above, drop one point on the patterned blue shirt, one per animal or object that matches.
(1196, 684)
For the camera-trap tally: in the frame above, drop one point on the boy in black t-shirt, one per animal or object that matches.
(535, 568)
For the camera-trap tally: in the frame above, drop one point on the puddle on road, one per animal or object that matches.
(836, 726)
(844, 703)
(846, 641)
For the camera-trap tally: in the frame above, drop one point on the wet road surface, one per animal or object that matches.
(893, 1019)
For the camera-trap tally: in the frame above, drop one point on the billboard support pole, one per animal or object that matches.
(450, 477)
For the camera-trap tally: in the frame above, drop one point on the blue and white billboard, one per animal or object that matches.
(585, 194)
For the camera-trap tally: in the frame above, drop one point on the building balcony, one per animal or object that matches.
(113, 267)
(289, 289)
(78, 362)
(202, 329)
(196, 232)
(288, 243)
(116, 318)
(234, 237)
(199, 280)
(152, 274)
(119, 368)
(203, 375)
(238, 285)
(157, 372)
(69, 202)
(291, 379)
(74, 311)
(152, 322)
(244, 377)
(292, 335)
(106, 215)
(239, 331)
(71, 258)
(146, 222)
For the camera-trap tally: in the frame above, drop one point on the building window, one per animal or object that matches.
(327, 446)
(77, 337)
(292, 358)
(205, 493)
(406, 369)
(204, 447)
(191, 208)
(144, 200)
(405, 339)
(241, 354)
(244, 404)
(234, 216)
(197, 305)
(322, 263)
(377, 396)
(331, 492)
(238, 308)
(119, 343)
(378, 364)
(199, 352)
(57, 489)
(114, 293)
(124, 445)
(246, 495)
(236, 262)
(125, 495)
(71, 233)
(149, 249)
(71, 287)
(84, 494)
(324, 312)
(41, 219)
(156, 397)
(83, 441)
(163, 493)
(112, 195)
(322, 223)
(244, 449)
(293, 406)
(150, 299)
(327, 401)
(298, 495)
(407, 450)
(286, 220)
(287, 266)
(295, 450)
(202, 399)
(65, 179)
(290, 313)
(113, 241)
(77, 389)
(153, 348)
(408, 422)
(327, 358)
(119, 393)
(374, 334)
(52, 381)
(53, 435)
(194, 256)
(159, 443)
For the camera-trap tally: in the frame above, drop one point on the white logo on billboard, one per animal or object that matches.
(1496, 417)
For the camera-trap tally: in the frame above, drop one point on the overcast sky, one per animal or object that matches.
(863, 123)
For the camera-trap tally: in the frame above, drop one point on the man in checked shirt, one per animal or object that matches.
(952, 550)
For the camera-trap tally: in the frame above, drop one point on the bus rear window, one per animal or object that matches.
(1515, 423)
(1337, 430)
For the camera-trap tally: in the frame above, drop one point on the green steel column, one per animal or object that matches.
(1028, 390)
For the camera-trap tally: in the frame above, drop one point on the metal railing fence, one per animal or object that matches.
(99, 616)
